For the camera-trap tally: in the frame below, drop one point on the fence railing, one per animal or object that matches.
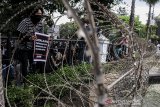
(72, 49)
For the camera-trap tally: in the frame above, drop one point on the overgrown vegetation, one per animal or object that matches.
(68, 30)
(139, 28)
(60, 83)
(116, 67)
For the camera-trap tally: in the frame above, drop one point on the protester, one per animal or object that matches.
(27, 29)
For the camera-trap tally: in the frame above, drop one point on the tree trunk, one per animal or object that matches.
(151, 22)
(131, 21)
(148, 21)
(2, 102)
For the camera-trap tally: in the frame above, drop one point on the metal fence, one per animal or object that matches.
(72, 51)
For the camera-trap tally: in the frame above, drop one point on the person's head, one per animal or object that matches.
(36, 15)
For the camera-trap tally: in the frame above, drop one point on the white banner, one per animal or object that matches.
(41, 45)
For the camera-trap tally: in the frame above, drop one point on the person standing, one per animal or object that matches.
(27, 29)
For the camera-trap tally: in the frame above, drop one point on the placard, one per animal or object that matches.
(41, 45)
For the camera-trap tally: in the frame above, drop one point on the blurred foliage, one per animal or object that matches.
(60, 83)
(108, 3)
(68, 30)
(153, 2)
(20, 97)
(8, 8)
(139, 28)
(116, 67)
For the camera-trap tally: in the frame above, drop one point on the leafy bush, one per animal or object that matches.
(68, 29)
(139, 28)
(22, 97)
(62, 78)
(59, 83)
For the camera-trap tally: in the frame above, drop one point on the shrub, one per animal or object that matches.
(22, 97)
(58, 82)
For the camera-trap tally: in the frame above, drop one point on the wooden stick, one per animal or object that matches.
(119, 79)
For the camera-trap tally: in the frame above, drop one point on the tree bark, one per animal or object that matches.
(148, 21)
(131, 24)
(131, 21)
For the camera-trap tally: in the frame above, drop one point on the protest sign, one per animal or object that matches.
(41, 45)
